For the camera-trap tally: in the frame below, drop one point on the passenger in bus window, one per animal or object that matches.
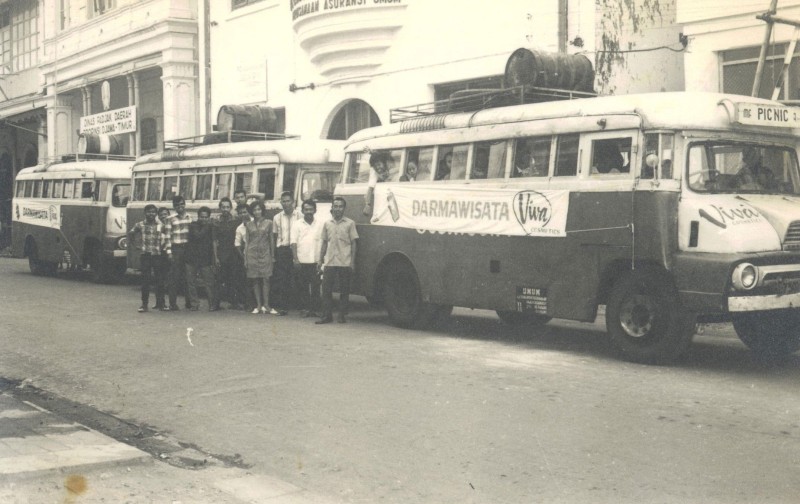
(445, 167)
(178, 229)
(606, 158)
(411, 172)
(200, 259)
(153, 245)
(379, 162)
(257, 250)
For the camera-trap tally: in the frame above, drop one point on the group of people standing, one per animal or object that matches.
(254, 263)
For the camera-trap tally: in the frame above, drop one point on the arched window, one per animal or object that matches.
(353, 116)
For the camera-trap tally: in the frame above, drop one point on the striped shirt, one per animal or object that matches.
(154, 238)
(178, 229)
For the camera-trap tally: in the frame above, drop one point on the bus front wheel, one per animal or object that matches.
(770, 335)
(403, 298)
(645, 320)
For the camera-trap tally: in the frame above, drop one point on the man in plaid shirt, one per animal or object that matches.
(154, 241)
(178, 231)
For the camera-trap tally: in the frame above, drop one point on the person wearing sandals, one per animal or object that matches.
(257, 252)
(154, 241)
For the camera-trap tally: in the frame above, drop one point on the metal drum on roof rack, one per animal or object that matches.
(528, 67)
(247, 118)
(91, 143)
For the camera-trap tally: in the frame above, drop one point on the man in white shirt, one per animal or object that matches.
(281, 285)
(306, 243)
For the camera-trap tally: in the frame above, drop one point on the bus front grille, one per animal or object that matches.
(792, 239)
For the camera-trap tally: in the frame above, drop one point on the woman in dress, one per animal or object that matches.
(258, 254)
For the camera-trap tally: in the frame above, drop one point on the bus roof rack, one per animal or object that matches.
(230, 136)
(79, 157)
(472, 100)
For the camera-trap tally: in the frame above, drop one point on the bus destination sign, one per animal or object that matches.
(761, 114)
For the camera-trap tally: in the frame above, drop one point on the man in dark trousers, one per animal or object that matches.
(283, 268)
(200, 260)
(178, 230)
(337, 260)
(224, 227)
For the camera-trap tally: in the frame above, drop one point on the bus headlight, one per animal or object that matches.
(122, 243)
(745, 276)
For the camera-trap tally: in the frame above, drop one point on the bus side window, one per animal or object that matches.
(120, 195)
(154, 189)
(611, 156)
(452, 163)
(657, 161)
(266, 183)
(489, 160)
(203, 191)
(20, 188)
(244, 182)
(418, 164)
(289, 178)
(170, 189)
(37, 188)
(185, 187)
(87, 190)
(101, 191)
(69, 189)
(532, 157)
(358, 168)
(222, 185)
(58, 188)
(46, 189)
(567, 156)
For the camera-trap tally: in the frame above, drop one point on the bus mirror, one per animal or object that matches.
(651, 160)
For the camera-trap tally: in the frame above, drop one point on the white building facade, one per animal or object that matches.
(725, 40)
(331, 67)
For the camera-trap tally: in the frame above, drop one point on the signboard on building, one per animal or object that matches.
(112, 122)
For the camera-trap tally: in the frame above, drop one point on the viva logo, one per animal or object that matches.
(730, 216)
(532, 209)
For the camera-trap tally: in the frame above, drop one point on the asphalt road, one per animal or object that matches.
(472, 411)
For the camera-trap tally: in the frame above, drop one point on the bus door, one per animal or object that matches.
(599, 221)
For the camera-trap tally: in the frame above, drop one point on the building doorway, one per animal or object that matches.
(353, 116)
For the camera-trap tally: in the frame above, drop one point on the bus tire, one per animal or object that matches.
(513, 318)
(403, 298)
(770, 335)
(645, 320)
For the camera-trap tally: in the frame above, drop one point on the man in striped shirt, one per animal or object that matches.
(178, 231)
(154, 241)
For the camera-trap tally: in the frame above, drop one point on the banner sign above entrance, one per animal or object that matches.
(112, 122)
(301, 8)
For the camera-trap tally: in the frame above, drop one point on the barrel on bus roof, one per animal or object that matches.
(247, 118)
(527, 67)
(91, 143)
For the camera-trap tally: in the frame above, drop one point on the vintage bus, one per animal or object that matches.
(71, 214)
(667, 208)
(262, 165)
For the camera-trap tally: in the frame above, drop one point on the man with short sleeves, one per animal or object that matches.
(282, 269)
(306, 234)
(178, 230)
(337, 260)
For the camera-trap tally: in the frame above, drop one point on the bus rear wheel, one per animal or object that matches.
(645, 320)
(523, 319)
(770, 335)
(403, 299)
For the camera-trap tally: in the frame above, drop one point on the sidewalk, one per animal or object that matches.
(46, 459)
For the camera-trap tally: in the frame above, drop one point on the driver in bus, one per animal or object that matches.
(751, 172)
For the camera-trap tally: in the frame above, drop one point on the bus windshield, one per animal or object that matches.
(120, 195)
(717, 167)
(318, 186)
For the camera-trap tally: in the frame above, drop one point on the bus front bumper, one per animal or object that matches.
(764, 302)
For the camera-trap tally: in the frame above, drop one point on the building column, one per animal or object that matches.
(86, 94)
(180, 100)
(61, 136)
(133, 99)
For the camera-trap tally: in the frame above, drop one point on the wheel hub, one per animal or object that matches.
(637, 315)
